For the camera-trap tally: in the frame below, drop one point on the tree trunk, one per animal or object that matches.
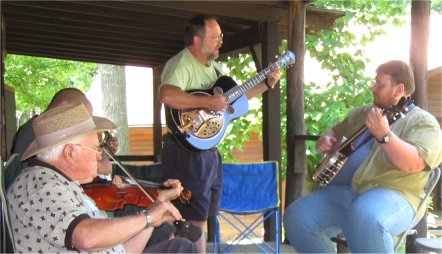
(113, 88)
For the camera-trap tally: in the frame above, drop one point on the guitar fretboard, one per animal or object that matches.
(239, 91)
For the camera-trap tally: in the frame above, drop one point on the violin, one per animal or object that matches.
(110, 197)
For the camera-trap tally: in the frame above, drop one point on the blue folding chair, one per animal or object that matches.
(249, 189)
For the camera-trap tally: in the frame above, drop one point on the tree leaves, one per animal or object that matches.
(341, 53)
(37, 79)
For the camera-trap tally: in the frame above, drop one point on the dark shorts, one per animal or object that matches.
(200, 172)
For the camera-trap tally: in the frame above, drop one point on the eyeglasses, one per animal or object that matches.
(218, 37)
(97, 150)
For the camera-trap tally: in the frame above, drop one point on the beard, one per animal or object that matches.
(210, 54)
(384, 105)
(212, 57)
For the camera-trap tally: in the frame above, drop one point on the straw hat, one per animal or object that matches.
(61, 124)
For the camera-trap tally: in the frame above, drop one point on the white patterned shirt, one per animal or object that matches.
(45, 206)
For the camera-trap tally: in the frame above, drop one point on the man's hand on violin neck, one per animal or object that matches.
(173, 192)
(117, 181)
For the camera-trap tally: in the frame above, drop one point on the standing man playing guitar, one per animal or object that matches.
(375, 195)
(199, 170)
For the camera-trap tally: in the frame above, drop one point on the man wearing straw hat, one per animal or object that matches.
(49, 210)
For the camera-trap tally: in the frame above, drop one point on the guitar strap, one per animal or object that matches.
(362, 148)
(218, 72)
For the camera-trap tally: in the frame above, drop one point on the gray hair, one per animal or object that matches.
(54, 153)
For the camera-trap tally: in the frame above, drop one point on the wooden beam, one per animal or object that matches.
(234, 9)
(420, 31)
(157, 127)
(242, 39)
(96, 14)
(317, 19)
(271, 115)
(99, 29)
(3, 151)
(296, 155)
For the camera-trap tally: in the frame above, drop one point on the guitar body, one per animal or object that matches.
(203, 129)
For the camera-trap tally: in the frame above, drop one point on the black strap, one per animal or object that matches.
(218, 72)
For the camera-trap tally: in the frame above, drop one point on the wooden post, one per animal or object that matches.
(271, 116)
(157, 128)
(2, 89)
(420, 29)
(296, 161)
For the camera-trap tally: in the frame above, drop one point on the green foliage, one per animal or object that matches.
(241, 69)
(436, 6)
(37, 79)
(341, 53)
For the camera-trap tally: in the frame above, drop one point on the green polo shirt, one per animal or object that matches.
(418, 128)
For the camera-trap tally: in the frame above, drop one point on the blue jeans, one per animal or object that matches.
(368, 220)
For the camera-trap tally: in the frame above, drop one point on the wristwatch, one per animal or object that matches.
(148, 218)
(385, 139)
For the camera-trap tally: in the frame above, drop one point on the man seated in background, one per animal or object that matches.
(25, 134)
(49, 210)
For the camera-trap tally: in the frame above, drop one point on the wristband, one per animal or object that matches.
(148, 218)
(267, 84)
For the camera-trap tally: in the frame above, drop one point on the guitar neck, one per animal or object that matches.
(239, 91)
(346, 147)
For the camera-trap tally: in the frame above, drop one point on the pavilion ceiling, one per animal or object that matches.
(139, 33)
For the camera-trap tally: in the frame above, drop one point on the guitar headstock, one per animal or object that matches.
(286, 59)
(392, 112)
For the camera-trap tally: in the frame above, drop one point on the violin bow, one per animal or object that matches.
(106, 147)
(184, 227)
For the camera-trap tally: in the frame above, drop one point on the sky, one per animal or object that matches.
(394, 45)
